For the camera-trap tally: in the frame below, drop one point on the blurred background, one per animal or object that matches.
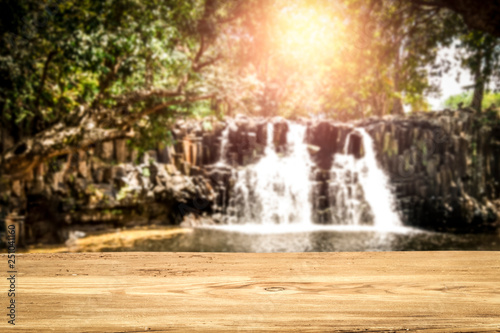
(250, 126)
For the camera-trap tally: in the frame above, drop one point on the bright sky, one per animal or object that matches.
(448, 82)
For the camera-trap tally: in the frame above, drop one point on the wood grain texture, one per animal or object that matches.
(299, 292)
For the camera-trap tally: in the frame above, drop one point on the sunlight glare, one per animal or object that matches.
(307, 34)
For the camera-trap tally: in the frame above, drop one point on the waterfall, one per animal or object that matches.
(359, 189)
(275, 190)
(278, 190)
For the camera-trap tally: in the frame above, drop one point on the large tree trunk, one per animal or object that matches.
(397, 103)
(477, 97)
(397, 107)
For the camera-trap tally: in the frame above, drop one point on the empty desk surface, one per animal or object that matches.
(294, 292)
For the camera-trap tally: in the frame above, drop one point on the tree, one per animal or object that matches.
(79, 72)
(405, 38)
(284, 47)
(480, 53)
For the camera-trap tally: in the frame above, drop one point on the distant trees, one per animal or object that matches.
(406, 38)
(374, 57)
(401, 40)
(490, 99)
(73, 73)
(480, 54)
(474, 28)
(343, 59)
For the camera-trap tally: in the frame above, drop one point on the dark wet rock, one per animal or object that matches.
(330, 138)
(280, 130)
(106, 150)
(121, 151)
(355, 145)
(437, 162)
(439, 167)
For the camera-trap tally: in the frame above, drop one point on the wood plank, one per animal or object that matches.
(298, 292)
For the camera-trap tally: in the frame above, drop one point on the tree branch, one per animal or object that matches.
(143, 95)
(42, 81)
(105, 82)
(209, 62)
(56, 141)
(200, 52)
(162, 106)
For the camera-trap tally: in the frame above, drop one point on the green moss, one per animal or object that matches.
(123, 193)
(90, 189)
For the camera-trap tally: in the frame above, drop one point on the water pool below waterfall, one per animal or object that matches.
(251, 238)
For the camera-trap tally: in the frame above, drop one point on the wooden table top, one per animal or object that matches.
(295, 292)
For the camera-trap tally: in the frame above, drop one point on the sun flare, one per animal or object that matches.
(307, 33)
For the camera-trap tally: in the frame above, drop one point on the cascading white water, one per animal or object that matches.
(346, 193)
(359, 189)
(275, 190)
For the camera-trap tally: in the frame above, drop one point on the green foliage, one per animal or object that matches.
(124, 191)
(207, 126)
(479, 53)
(490, 99)
(146, 172)
(453, 102)
(56, 57)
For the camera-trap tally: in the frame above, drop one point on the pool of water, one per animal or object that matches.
(260, 238)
